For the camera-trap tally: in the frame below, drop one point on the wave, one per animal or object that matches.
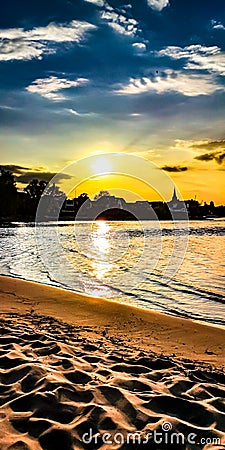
(204, 231)
(197, 295)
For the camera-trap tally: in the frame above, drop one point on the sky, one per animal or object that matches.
(142, 77)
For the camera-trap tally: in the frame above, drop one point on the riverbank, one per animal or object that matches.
(159, 332)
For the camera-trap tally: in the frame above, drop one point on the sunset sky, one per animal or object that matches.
(143, 77)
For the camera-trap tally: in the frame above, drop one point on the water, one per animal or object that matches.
(142, 265)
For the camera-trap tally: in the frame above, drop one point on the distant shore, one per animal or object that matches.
(14, 223)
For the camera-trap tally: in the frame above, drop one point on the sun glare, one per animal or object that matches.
(100, 238)
(102, 165)
(101, 247)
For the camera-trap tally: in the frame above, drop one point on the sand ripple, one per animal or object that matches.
(57, 383)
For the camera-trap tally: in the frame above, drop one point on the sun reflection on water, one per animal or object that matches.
(101, 247)
(100, 236)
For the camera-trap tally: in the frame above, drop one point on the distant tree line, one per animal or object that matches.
(17, 205)
(21, 205)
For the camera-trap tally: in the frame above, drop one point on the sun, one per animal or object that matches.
(102, 165)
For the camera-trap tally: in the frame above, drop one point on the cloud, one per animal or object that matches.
(50, 87)
(190, 85)
(78, 114)
(217, 25)
(209, 145)
(216, 156)
(7, 107)
(24, 175)
(74, 112)
(21, 50)
(120, 22)
(205, 157)
(140, 47)
(198, 57)
(21, 44)
(99, 3)
(158, 5)
(204, 144)
(46, 176)
(14, 169)
(216, 150)
(175, 168)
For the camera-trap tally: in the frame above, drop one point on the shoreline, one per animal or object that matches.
(155, 331)
(75, 368)
(15, 223)
(164, 313)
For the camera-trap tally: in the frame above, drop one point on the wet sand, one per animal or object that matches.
(70, 364)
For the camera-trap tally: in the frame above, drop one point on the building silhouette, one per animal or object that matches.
(175, 205)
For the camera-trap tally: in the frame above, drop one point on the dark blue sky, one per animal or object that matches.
(82, 76)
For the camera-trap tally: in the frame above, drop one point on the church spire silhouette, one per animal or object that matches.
(174, 198)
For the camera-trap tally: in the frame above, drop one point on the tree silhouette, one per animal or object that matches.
(8, 194)
(81, 199)
(101, 194)
(51, 202)
(35, 189)
(55, 192)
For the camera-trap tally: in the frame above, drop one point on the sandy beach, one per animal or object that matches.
(73, 368)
